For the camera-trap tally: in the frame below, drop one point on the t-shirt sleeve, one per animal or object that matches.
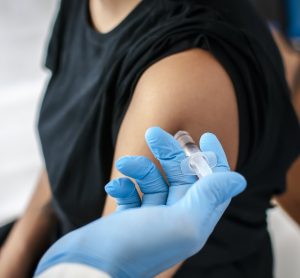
(55, 39)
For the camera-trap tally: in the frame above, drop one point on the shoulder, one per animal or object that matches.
(189, 90)
(186, 74)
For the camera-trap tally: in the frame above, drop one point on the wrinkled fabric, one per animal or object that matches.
(93, 79)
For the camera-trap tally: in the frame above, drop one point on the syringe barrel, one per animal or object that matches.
(199, 164)
(197, 161)
(186, 142)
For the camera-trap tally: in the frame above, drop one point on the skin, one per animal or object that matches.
(32, 232)
(169, 95)
(107, 14)
(290, 200)
(173, 97)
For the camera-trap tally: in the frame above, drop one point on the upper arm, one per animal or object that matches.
(186, 91)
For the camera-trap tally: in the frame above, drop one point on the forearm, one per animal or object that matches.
(31, 235)
(170, 272)
(290, 200)
(292, 207)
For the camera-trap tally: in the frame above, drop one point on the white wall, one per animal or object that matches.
(23, 29)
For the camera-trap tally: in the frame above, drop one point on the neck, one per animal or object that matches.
(110, 5)
(107, 14)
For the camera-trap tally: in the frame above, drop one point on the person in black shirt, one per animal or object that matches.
(119, 67)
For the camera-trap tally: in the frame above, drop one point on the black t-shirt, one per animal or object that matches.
(94, 76)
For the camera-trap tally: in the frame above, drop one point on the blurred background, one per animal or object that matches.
(24, 27)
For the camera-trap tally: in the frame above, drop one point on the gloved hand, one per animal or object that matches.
(151, 183)
(143, 242)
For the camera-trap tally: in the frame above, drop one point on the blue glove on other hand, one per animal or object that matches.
(142, 242)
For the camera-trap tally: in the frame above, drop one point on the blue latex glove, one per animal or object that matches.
(143, 242)
(153, 186)
(293, 13)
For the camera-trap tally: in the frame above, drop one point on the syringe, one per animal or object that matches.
(197, 161)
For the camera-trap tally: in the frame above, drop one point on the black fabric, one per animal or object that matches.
(275, 12)
(258, 264)
(272, 10)
(94, 76)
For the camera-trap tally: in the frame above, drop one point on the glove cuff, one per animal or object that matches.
(78, 258)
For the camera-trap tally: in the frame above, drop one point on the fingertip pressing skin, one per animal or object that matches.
(162, 144)
(125, 193)
(121, 188)
(136, 167)
(152, 131)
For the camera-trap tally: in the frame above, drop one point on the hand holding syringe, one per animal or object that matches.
(197, 162)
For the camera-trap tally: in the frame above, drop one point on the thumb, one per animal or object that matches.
(210, 192)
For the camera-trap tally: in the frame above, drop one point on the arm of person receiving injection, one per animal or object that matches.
(173, 97)
(290, 200)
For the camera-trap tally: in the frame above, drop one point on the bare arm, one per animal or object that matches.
(30, 236)
(290, 200)
(180, 92)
